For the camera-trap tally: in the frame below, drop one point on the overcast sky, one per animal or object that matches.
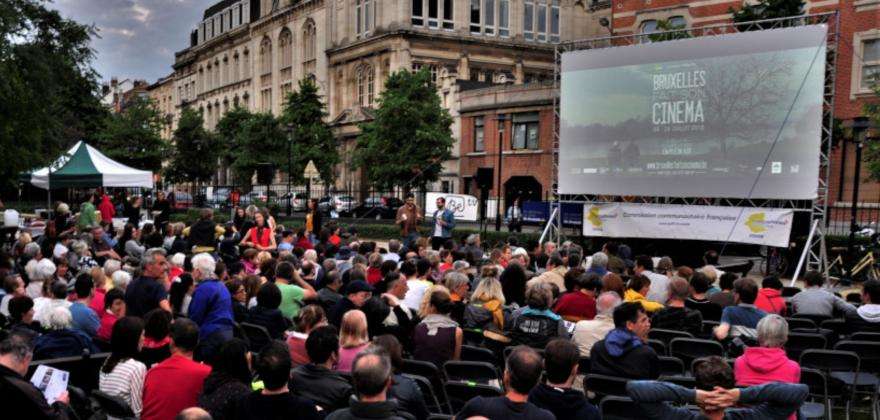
(137, 38)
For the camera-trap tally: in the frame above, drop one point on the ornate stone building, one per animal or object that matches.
(251, 52)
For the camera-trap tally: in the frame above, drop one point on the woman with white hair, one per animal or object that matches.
(38, 273)
(767, 362)
(84, 260)
(61, 340)
(121, 279)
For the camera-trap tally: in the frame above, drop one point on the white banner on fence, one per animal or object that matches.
(466, 207)
(748, 225)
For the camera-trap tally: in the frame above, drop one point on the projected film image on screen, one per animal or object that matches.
(695, 117)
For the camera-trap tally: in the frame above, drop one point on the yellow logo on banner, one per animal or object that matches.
(755, 222)
(594, 218)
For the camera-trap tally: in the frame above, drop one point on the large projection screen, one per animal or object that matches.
(736, 116)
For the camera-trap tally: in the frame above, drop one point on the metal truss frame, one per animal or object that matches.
(818, 208)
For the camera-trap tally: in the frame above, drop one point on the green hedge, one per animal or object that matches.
(191, 215)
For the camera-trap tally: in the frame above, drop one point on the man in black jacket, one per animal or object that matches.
(19, 398)
(317, 380)
(625, 351)
(371, 372)
(556, 396)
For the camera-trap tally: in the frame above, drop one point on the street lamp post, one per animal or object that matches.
(289, 168)
(860, 127)
(501, 118)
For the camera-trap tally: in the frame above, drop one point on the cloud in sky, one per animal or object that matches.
(136, 38)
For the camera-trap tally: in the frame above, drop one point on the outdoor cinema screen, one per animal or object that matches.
(737, 115)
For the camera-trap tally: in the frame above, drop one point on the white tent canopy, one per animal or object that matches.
(83, 166)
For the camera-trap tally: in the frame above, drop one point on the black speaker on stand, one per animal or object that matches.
(484, 178)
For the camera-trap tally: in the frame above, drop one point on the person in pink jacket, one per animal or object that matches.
(770, 298)
(767, 362)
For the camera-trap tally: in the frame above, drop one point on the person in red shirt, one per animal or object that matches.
(175, 383)
(770, 298)
(114, 308)
(106, 208)
(580, 303)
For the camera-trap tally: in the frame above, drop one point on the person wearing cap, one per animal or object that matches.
(356, 294)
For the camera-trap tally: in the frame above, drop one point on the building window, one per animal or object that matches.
(554, 21)
(440, 13)
(504, 18)
(486, 13)
(646, 28)
(365, 16)
(265, 56)
(365, 85)
(309, 47)
(529, 20)
(266, 99)
(676, 22)
(236, 72)
(870, 74)
(285, 44)
(479, 139)
(525, 131)
(217, 81)
(246, 64)
(432, 69)
(537, 19)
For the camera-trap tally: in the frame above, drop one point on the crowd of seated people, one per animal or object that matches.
(178, 320)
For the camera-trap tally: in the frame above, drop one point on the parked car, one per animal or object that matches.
(378, 208)
(180, 200)
(258, 197)
(298, 202)
(217, 197)
(341, 204)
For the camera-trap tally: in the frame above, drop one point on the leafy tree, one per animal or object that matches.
(766, 9)
(48, 88)
(872, 151)
(133, 136)
(663, 26)
(260, 140)
(195, 152)
(312, 138)
(410, 137)
(227, 132)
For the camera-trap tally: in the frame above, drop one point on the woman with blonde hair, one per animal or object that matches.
(353, 338)
(486, 309)
(310, 317)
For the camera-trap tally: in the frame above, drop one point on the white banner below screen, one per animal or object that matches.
(762, 226)
(466, 207)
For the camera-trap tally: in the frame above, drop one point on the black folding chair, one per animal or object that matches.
(803, 324)
(658, 346)
(602, 385)
(681, 380)
(817, 319)
(429, 371)
(837, 327)
(430, 394)
(584, 365)
(667, 336)
(831, 362)
(473, 337)
(113, 406)
(459, 393)
(800, 341)
(257, 335)
(865, 336)
(689, 349)
(478, 372)
(477, 354)
(709, 328)
(790, 291)
(620, 408)
(818, 406)
(866, 381)
(671, 366)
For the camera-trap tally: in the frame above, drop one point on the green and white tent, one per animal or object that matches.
(83, 166)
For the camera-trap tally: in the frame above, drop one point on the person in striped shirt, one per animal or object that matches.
(123, 376)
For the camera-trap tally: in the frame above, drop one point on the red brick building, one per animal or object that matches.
(522, 116)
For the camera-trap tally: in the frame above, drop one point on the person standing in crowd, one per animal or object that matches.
(274, 401)
(675, 315)
(87, 217)
(557, 396)
(522, 372)
(106, 208)
(313, 220)
(20, 398)
(133, 210)
(175, 383)
(372, 379)
(408, 218)
(148, 292)
(588, 333)
(514, 216)
(210, 308)
(444, 222)
(742, 319)
(161, 210)
(317, 381)
(122, 375)
(229, 380)
(814, 299)
(625, 351)
(716, 395)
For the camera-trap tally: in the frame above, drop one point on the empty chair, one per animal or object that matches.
(667, 335)
(603, 385)
(113, 406)
(257, 336)
(427, 370)
(459, 393)
(430, 394)
(479, 372)
(866, 382)
(817, 407)
(837, 327)
(688, 349)
(658, 346)
(800, 341)
(671, 366)
(619, 408)
(865, 336)
(801, 324)
(817, 319)
(830, 363)
(477, 354)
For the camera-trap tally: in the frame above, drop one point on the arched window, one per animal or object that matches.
(236, 71)
(365, 85)
(265, 56)
(246, 64)
(285, 44)
(309, 47)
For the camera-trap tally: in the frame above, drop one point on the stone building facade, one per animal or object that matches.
(163, 97)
